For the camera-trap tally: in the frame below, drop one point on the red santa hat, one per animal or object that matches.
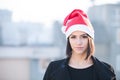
(77, 20)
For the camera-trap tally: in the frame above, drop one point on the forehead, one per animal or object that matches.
(78, 33)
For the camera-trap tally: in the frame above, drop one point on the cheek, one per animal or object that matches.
(72, 43)
(86, 42)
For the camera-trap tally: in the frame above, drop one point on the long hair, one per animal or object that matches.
(90, 49)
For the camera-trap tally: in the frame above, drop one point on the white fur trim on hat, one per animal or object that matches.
(79, 27)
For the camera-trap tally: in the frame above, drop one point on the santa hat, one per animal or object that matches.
(77, 20)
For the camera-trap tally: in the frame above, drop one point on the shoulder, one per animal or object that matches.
(102, 63)
(52, 68)
(58, 61)
(108, 66)
(56, 64)
(103, 66)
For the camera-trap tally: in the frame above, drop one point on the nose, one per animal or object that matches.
(79, 41)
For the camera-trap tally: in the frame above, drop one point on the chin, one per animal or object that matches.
(79, 52)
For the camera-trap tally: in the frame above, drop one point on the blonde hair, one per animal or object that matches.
(91, 48)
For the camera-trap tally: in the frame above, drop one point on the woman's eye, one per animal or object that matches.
(84, 36)
(73, 37)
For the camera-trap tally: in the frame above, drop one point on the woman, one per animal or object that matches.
(80, 63)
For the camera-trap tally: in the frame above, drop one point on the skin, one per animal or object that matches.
(79, 43)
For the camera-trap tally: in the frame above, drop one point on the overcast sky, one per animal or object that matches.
(45, 10)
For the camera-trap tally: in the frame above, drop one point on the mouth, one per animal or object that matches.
(79, 47)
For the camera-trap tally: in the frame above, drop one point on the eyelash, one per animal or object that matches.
(73, 37)
(82, 36)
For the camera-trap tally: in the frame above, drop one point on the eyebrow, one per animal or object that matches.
(84, 34)
(80, 35)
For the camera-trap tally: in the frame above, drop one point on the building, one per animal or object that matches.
(5, 17)
(25, 49)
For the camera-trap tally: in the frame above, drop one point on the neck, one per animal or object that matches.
(78, 57)
(79, 61)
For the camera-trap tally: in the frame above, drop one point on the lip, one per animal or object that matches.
(79, 47)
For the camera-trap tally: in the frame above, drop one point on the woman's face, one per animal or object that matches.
(79, 42)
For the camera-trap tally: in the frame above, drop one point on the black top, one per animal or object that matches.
(58, 70)
(81, 74)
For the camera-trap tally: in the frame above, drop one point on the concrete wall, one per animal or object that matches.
(14, 69)
(26, 63)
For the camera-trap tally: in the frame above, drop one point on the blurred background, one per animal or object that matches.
(31, 37)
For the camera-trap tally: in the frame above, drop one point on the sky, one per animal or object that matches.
(46, 11)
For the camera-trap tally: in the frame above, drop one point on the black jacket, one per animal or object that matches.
(57, 70)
